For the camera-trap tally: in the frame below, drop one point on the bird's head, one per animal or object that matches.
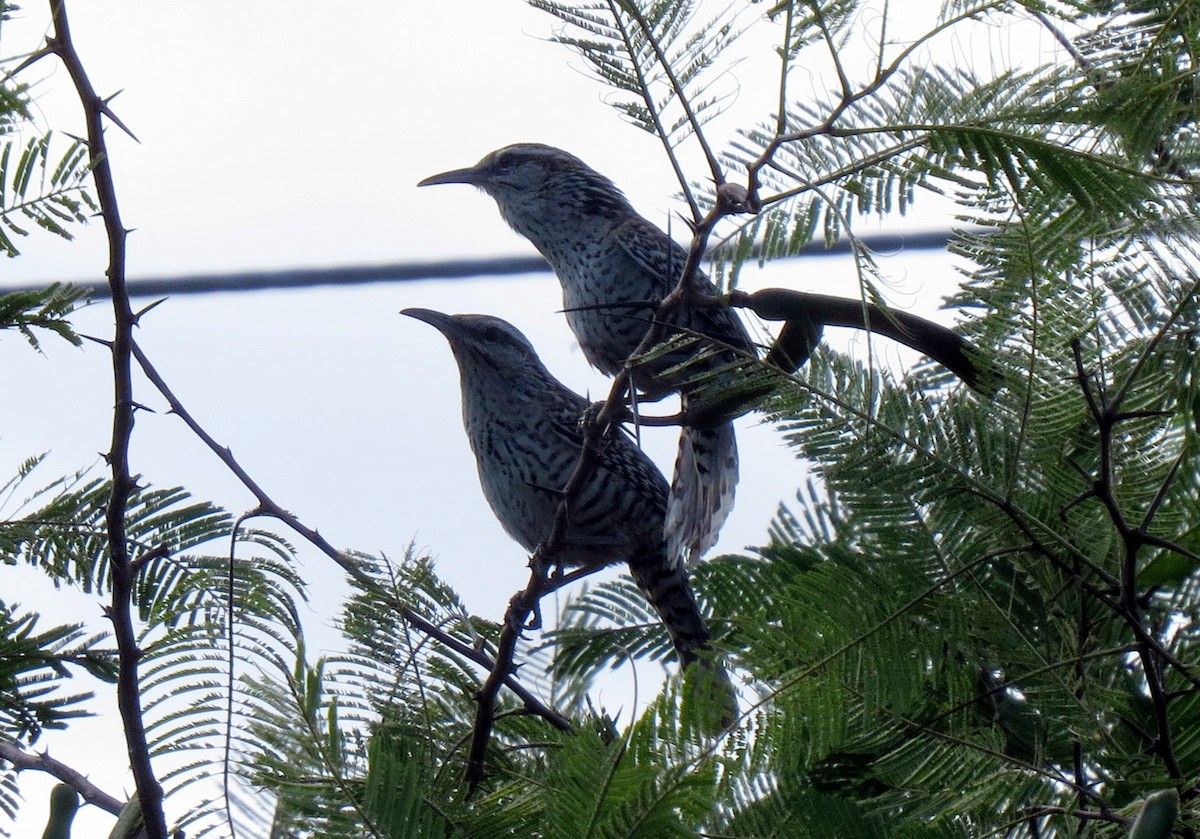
(482, 340)
(535, 183)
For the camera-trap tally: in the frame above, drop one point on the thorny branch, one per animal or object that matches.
(22, 760)
(96, 110)
(1107, 416)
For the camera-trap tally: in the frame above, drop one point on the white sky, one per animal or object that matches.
(278, 135)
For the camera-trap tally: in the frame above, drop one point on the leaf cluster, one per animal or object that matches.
(47, 308)
(45, 188)
(200, 615)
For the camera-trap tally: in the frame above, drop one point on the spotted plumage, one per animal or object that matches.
(523, 424)
(615, 267)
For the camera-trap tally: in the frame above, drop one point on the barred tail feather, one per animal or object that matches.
(666, 586)
(701, 497)
(712, 696)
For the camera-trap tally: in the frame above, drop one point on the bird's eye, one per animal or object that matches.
(493, 335)
(501, 165)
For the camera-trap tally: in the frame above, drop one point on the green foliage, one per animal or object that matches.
(653, 53)
(371, 743)
(200, 615)
(337, 741)
(37, 189)
(978, 619)
(33, 667)
(45, 308)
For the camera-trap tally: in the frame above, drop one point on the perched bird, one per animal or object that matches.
(523, 425)
(615, 267)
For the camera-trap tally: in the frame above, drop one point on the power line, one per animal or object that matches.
(452, 269)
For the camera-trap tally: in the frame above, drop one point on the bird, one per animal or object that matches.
(523, 426)
(615, 268)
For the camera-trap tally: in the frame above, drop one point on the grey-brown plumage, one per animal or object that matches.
(523, 425)
(615, 267)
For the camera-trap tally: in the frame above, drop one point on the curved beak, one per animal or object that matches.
(438, 320)
(471, 175)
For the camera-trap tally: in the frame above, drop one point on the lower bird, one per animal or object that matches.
(524, 427)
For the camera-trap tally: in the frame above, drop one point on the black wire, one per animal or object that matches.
(413, 271)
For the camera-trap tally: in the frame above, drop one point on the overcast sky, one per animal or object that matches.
(278, 135)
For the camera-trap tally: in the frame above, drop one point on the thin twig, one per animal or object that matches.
(230, 676)
(525, 602)
(95, 109)
(520, 607)
(785, 65)
(681, 94)
(1076, 813)
(826, 127)
(652, 107)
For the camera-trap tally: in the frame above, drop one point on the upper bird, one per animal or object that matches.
(523, 425)
(615, 267)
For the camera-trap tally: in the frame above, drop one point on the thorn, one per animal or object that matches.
(101, 341)
(143, 311)
(691, 225)
(35, 57)
(107, 111)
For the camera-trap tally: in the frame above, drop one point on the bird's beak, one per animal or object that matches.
(442, 322)
(471, 175)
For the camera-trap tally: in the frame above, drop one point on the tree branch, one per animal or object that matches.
(1106, 416)
(22, 760)
(119, 612)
